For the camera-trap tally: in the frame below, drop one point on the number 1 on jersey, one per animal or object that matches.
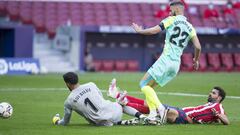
(87, 101)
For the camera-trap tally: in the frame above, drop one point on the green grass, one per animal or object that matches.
(33, 110)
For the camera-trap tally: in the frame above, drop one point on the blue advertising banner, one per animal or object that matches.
(19, 66)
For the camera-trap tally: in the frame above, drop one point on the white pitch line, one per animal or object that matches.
(31, 89)
(104, 91)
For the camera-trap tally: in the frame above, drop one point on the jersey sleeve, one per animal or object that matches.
(219, 108)
(67, 114)
(95, 86)
(165, 23)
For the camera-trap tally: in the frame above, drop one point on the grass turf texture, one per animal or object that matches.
(33, 110)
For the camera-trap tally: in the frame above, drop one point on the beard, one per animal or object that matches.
(69, 88)
(173, 13)
(210, 99)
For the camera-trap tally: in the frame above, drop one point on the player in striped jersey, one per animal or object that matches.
(210, 112)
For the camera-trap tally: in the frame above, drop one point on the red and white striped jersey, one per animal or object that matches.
(204, 113)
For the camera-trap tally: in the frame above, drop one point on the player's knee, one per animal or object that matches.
(145, 89)
(142, 83)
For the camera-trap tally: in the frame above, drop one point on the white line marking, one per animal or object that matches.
(31, 89)
(104, 91)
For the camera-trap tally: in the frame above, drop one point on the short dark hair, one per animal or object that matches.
(221, 92)
(70, 77)
(176, 2)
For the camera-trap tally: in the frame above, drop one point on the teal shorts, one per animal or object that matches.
(164, 70)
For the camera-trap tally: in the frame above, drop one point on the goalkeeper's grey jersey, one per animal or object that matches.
(87, 100)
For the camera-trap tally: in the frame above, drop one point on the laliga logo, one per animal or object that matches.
(22, 66)
(16, 66)
(3, 67)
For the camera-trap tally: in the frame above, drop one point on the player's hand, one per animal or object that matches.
(136, 27)
(195, 64)
(55, 119)
(215, 113)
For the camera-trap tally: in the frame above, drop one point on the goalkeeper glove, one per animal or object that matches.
(55, 119)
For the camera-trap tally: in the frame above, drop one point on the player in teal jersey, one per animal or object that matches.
(178, 33)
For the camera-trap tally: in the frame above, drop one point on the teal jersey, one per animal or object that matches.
(178, 33)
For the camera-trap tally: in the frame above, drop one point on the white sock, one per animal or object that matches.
(142, 116)
(161, 110)
(152, 114)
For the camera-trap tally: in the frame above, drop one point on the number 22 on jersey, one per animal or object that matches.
(180, 35)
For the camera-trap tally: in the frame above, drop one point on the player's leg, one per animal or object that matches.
(176, 115)
(112, 89)
(105, 123)
(141, 108)
(147, 83)
(113, 92)
(136, 100)
(132, 112)
(138, 104)
(161, 72)
(126, 100)
(147, 79)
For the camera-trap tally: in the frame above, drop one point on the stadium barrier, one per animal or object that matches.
(19, 66)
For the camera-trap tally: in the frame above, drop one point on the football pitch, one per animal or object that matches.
(37, 98)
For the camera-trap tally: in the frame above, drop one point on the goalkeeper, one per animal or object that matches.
(87, 101)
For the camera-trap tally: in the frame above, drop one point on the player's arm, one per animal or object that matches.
(197, 51)
(221, 116)
(165, 24)
(224, 119)
(148, 31)
(67, 115)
